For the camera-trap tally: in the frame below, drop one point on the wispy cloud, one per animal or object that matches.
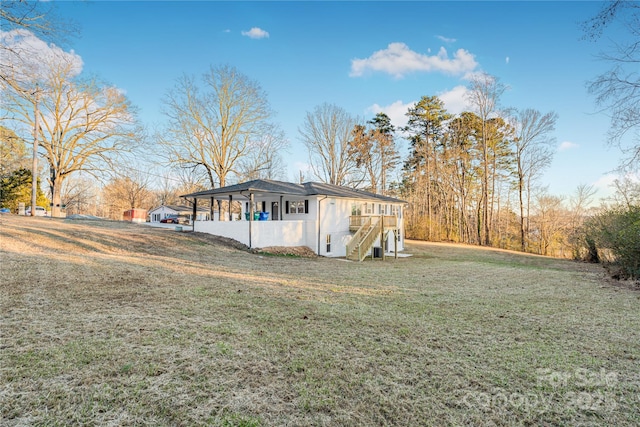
(33, 56)
(396, 111)
(398, 60)
(446, 39)
(456, 99)
(256, 33)
(605, 181)
(507, 59)
(567, 145)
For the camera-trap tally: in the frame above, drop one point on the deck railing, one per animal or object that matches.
(388, 221)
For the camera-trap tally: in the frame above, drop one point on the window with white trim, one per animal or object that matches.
(368, 208)
(297, 206)
(328, 243)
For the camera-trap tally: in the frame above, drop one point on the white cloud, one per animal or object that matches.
(446, 39)
(606, 181)
(567, 145)
(397, 59)
(303, 166)
(256, 33)
(506, 60)
(396, 111)
(455, 100)
(29, 56)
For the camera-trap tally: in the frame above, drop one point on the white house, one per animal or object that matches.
(331, 220)
(184, 213)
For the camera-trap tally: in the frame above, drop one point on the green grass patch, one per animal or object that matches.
(129, 334)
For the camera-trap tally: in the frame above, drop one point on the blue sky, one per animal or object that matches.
(364, 57)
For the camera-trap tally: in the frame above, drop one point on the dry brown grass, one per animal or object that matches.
(107, 323)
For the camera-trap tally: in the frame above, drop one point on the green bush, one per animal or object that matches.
(618, 231)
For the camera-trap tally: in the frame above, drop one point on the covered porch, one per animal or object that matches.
(265, 213)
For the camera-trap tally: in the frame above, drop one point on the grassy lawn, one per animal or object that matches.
(106, 323)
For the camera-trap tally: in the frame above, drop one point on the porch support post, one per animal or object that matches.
(220, 218)
(251, 207)
(395, 243)
(383, 236)
(280, 209)
(250, 217)
(230, 200)
(193, 218)
(211, 209)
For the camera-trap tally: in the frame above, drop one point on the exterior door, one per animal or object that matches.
(275, 211)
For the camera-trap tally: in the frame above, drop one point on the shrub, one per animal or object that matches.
(618, 231)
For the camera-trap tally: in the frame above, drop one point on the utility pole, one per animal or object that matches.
(34, 166)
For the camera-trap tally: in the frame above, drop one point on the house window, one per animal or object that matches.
(328, 243)
(368, 208)
(257, 206)
(356, 209)
(297, 206)
(394, 210)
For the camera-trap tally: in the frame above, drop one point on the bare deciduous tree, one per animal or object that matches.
(36, 20)
(550, 221)
(374, 150)
(618, 89)
(326, 133)
(425, 130)
(484, 95)
(215, 121)
(627, 191)
(80, 194)
(264, 160)
(38, 17)
(125, 193)
(134, 187)
(532, 152)
(83, 124)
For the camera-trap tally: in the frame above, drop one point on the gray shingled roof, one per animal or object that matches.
(179, 208)
(279, 187)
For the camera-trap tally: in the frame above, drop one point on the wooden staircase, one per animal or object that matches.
(363, 239)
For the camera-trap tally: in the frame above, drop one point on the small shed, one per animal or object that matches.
(135, 215)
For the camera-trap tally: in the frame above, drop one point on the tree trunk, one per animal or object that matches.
(56, 197)
(485, 187)
(520, 197)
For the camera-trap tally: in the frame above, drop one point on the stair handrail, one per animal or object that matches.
(351, 245)
(367, 241)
